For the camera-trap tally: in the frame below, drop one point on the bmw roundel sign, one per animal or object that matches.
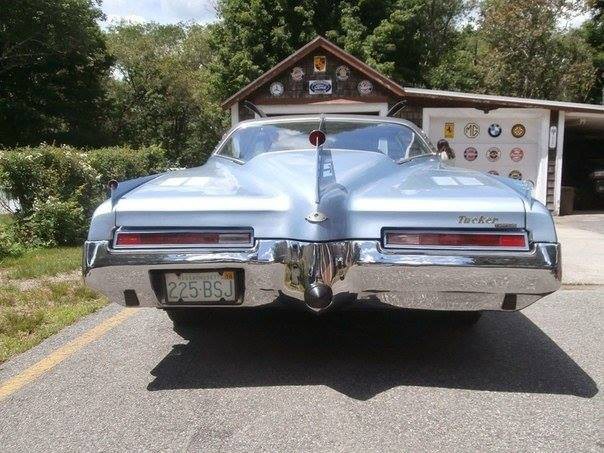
(494, 130)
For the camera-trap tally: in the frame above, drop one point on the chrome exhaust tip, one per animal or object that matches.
(318, 297)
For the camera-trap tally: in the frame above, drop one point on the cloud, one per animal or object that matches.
(133, 18)
(162, 11)
(189, 10)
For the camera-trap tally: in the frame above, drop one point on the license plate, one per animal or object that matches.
(201, 287)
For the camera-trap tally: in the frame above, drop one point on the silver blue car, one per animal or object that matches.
(324, 211)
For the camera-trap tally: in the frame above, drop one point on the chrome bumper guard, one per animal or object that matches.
(434, 280)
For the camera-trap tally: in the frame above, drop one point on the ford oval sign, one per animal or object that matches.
(319, 86)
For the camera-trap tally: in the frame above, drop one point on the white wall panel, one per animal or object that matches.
(532, 166)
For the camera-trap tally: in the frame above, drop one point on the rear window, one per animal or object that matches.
(396, 141)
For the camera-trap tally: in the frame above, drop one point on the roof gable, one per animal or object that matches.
(318, 43)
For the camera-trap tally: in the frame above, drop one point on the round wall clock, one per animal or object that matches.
(277, 89)
(365, 87)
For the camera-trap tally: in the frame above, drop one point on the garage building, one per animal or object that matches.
(553, 144)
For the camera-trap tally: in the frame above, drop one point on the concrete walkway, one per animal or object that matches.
(582, 239)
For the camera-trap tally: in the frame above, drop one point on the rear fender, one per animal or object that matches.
(539, 221)
(126, 186)
(103, 219)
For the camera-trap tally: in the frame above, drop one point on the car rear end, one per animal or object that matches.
(321, 227)
(468, 269)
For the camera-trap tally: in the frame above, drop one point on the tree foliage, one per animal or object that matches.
(593, 33)
(518, 48)
(401, 38)
(63, 80)
(159, 94)
(52, 62)
(414, 37)
(528, 56)
(253, 36)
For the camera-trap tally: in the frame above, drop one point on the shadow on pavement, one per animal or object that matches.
(362, 354)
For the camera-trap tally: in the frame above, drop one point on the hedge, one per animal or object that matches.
(58, 188)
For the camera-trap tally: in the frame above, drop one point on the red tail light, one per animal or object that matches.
(135, 239)
(411, 239)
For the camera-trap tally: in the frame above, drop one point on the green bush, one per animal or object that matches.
(30, 174)
(9, 245)
(54, 222)
(127, 163)
(58, 188)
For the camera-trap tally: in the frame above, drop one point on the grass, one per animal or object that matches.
(28, 317)
(4, 220)
(36, 263)
(33, 310)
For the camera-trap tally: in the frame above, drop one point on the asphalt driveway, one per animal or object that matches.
(273, 380)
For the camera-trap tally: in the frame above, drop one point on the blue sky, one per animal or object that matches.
(162, 11)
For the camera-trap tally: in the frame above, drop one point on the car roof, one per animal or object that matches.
(337, 117)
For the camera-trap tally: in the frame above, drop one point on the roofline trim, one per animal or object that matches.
(511, 101)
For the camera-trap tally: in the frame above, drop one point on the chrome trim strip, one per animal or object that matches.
(438, 280)
(385, 232)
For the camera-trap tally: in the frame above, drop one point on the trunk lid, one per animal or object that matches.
(361, 193)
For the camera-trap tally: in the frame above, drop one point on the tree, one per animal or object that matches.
(593, 32)
(52, 63)
(159, 90)
(254, 36)
(459, 68)
(527, 55)
(402, 38)
(414, 37)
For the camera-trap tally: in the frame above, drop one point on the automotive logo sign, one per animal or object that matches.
(516, 154)
(470, 154)
(449, 130)
(319, 86)
(343, 72)
(320, 63)
(471, 130)
(494, 130)
(518, 130)
(297, 74)
(493, 172)
(493, 154)
(515, 174)
(365, 87)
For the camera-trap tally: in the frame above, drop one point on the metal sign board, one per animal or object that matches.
(320, 86)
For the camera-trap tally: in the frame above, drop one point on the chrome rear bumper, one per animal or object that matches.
(434, 280)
